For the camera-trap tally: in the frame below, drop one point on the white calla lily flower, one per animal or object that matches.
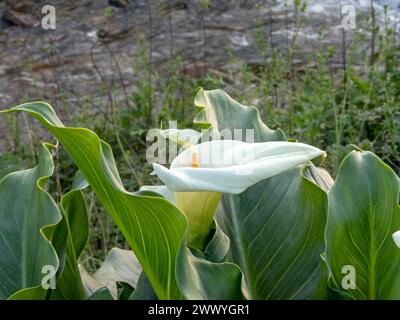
(396, 238)
(199, 175)
(231, 166)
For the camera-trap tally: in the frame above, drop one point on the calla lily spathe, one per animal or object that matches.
(230, 166)
(396, 238)
(199, 175)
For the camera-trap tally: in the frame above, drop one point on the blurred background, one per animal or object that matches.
(121, 67)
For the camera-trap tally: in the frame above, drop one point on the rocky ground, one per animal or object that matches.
(91, 36)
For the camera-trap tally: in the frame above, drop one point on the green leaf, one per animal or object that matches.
(217, 248)
(124, 291)
(363, 214)
(143, 290)
(361, 84)
(74, 206)
(101, 294)
(69, 240)
(134, 215)
(154, 228)
(28, 216)
(223, 114)
(276, 227)
(205, 274)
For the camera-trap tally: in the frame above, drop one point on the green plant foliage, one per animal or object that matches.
(279, 236)
(363, 214)
(296, 235)
(220, 112)
(277, 226)
(27, 223)
(154, 228)
(69, 240)
(101, 294)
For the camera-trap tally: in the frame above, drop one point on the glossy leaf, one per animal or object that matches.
(101, 294)
(205, 274)
(278, 226)
(217, 110)
(28, 216)
(363, 215)
(69, 240)
(143, 290)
